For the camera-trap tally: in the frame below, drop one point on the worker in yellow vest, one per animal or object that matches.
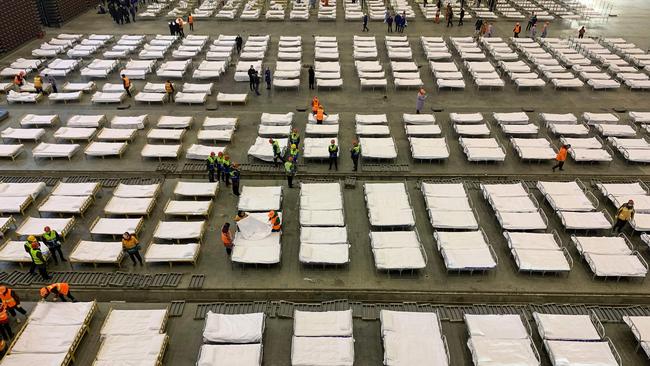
(53, 241)
(11, 300)
(38, 258)
(38, 84)
(60, 289)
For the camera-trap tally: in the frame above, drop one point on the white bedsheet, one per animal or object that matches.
(196, 189)
(113, 226)
(260, 198)
(322, 351)
(508, 326)
(134, 322)
(61, 313)
(133, 349)
(35, 225)
(171, 252)
(322, 324)
(234, 328)
(46, 339)
(176, 230)
(230, 355)
(561, 327)
(97, 252)
(580, 353)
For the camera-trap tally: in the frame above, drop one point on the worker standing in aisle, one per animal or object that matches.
(238, 42)
(190, 21)
(170, 90)
(333, 150)
(38, 258)
(624, 214)
(211, 164)
(290, 170)
(355, 153)
(60, 289)
(52, 82)
(126, 83)
(234, 177)
(226, 238)
(561, 157)
(5, 328)
(226, 169)
(294, 153)
(53, 241)
(11, 300)
(294, 137)
(38, 84)
(274, 220)
(131, 246)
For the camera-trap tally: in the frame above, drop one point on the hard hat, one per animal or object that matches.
(3, 289)
(271, 213)
(212, 153)
(35, 245)
(226, 156)
(295, 130)
(44, 292)
(293, 146)
(630, 201)
(333, 141)
(220, 153)
(271, 141)
(290, 158)
(31, 238)
(47, 229)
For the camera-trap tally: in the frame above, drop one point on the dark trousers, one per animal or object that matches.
(251, 84)
(225, 176)
(32, 268)
(268, 84)
(5, 331)
(334, 160)
(516, 35)
(211, 175)
(220, 173)
(450, 22)
(54, 88)
(128, 92)
(355, 160)
(69, 296)
(311, 84)
(238, 49)
(228, 251)
(192, 26)
(42, 270)
(365, 27)
(619, 225)
(171, 97)
(18, 308)
(460, 21)
(290, 180)
(528, 26)
(235, 187)
(135, 255)
(559, 165)
(54, 250)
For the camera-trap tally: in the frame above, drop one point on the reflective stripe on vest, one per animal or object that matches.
(35, 259)
(8, 298)
(275, 222)
(49, 236)
(62, 287)
(333, 148)
(212, 160)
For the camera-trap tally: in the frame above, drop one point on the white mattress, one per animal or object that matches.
(134, 322)
(63, 204)
(133, 349)
(35, 225)
(615, 265)
(171, 252)
(176, 230)
(128, 205)
(116, 134)
(97, 252)
(322, 351)
(412, 339)
(196, 189)
(580, 353)
(46, 339)
(561, 327)
(160, 151)
(22, 133)
(466, 117)
(22, 359)
(260, 198)
(378, 147)
(584, 220)
(112, 226)
(492, 351)
(188, 208)
(234, 328)
(46, 150)
(230, 355)
(130, 122)
(322, 324)
(61, 313)
(14, 251)
(13, 204)
(509, 326)
(397, 212)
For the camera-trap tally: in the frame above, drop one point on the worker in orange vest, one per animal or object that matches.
(126, 83)
(180, 23)
(320, 115)
(226, 238)
(19, 79)
(314, 105)
(5, 328)
(190, 21)
(561, 157)
(60, 289)
(517, 30)
(11, 300)
(274, 220)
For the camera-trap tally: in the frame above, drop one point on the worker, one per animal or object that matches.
(355, 153)
(5, 328)
(190, 21)
(170, 90)
(219, 166)
(226, 238)
(277, 152)
(624, 214)
(293, 153)
(240, 215)
(28, 248)
(290, 170)
(226, 169)
(38, 84)
(234, 177)
(211, 164)
(320, 115)
(11, 300)
(274, 220)
(19, 79)
(561, 157)
(294, 137)
(333, 155)
(126, 83)
(53, 240)
(314, 105)
(180, 23)
(38, 259)
(131, 246)
(52, 81)
(60, 289)
(516, 30)
(238, 43)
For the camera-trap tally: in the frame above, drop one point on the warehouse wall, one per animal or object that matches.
(19, 23)
(56, 12)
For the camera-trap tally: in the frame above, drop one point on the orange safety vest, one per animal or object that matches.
(225, 238)
(190, 19)
(561, 155)
(275, 222)
(314, 105)
(3, 315)
(62, 287)
(168, 87)
(18, 79)
(517, 29)
(38, 82)
(126, 82)
(8, 298)
(319, 114)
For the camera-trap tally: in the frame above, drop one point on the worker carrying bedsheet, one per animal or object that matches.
(60, 289)
(53, 240)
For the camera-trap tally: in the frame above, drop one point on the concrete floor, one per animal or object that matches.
(358, 280)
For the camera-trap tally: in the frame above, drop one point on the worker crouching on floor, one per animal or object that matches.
(59, 289)
(274, 220)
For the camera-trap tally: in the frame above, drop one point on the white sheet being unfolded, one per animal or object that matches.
(230, 355)
(322, 324)
(234, 328)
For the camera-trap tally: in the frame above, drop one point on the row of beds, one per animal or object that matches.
(112, 140)
(216, 61)
(464, 247)
(54, 331)
(416, 338)
(125, 212)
